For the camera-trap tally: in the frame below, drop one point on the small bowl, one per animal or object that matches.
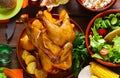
(98, 9)
(88, 32)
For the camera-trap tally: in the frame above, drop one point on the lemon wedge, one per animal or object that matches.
(62, 1)
(109, 37)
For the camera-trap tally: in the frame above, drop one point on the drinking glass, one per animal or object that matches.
(5, 53)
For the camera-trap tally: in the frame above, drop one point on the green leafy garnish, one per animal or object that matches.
(79, 53)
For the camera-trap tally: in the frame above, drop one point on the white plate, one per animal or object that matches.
(85, 72)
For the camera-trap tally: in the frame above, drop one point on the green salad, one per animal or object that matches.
(102, 49)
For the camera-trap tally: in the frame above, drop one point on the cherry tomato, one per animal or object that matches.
(104, 51)
(102, 32)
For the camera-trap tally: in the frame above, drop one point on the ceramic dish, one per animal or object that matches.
(98, 9)
(85, 72)
(62, 74)
(7, 14)
(89, 32)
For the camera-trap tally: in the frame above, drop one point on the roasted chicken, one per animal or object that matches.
(52, 37)
(60, 34)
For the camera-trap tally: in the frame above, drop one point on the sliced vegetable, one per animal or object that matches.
(25, 54)
(31, 67)
(102, 32)
(29, 59)
(104, 51)
(113, 20)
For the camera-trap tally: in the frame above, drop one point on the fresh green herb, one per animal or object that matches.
(79, 54)
(2, 74)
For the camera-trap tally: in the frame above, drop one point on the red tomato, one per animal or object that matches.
(102, 32)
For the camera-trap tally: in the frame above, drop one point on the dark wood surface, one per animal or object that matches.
(76, 12)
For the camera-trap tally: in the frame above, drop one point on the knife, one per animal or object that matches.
(12, 24)
(10, 28)
(30, 10)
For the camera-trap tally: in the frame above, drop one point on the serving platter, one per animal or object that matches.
(61, 74)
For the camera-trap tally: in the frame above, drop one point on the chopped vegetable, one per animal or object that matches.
(31, 67)
(104, 51)
(113, 20)
(102, 32)
(79, 53)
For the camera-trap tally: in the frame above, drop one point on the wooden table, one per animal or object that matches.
(76, 12)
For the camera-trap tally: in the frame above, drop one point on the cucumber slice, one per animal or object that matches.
(114, 20)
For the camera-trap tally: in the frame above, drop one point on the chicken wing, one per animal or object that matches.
(60, 34)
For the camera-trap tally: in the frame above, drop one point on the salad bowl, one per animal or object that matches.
(96, 5)
(100, 30)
